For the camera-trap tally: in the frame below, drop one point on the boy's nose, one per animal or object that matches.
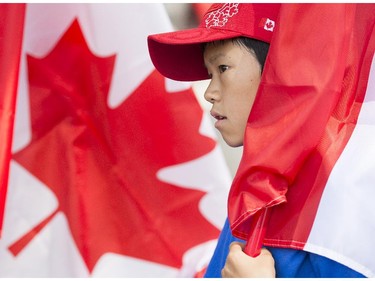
(211, 93)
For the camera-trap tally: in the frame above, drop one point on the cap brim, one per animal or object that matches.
(179, 55)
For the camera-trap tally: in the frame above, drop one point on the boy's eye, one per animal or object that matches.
(223, 68)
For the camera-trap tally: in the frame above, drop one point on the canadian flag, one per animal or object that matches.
(309, 149)
(115, 170)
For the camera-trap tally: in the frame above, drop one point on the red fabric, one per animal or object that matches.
(305, 111)
(11, 31)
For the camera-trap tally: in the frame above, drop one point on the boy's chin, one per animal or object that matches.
(233, 142)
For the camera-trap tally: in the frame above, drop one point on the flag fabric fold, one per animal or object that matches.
(316, 83)
(11, 30)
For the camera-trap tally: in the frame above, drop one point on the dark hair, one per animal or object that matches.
(260, 48)
(257, 47)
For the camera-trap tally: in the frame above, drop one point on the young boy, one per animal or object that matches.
(230, 48)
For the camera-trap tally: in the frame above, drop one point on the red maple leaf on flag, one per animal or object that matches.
(101, 163)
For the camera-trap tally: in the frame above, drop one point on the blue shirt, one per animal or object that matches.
(289, 263)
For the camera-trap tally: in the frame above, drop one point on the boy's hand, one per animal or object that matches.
(238, 264)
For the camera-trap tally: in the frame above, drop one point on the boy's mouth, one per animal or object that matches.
(217, 116)
(220, 119)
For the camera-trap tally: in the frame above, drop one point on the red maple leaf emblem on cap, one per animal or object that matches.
(269, 25)
(101, 163)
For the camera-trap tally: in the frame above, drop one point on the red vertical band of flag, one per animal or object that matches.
(306, 107)
(11, 32)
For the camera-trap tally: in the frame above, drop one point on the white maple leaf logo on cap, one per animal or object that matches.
(220, 16)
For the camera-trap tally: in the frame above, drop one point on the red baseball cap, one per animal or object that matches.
(179, 55)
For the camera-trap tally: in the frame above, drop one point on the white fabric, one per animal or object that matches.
(345, 223)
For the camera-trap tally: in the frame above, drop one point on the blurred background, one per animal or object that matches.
(188, 15)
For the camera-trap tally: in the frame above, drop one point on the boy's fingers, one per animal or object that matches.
(236, 246)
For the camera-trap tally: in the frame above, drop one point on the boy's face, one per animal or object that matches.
(235, 77)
